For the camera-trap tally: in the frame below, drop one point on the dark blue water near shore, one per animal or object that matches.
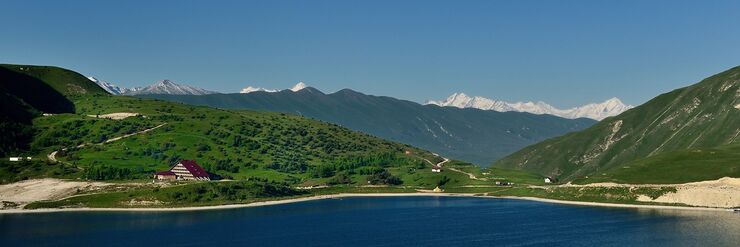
(380, 221)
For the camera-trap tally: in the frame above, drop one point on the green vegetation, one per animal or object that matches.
(199, 194)
(675, 167)
(471, 135)
(268, 155)
(229, 143)
(662, 133)
(588, 194)
(38, 167)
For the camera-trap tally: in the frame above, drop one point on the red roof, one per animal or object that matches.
(194, 168)
(165, 173)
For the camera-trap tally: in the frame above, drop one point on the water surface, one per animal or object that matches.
(380, 221)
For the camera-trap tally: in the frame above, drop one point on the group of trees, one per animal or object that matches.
(103, 172)
(384, 177)
(235, 191)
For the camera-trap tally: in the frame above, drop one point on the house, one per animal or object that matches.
(436, 168)
(184, 170)
(438, 190)
(549, 180)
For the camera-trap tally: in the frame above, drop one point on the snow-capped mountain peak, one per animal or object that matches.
(160, 87)
(597, 111)
(109, 87)
(298, 86)
(250, 89)
(170, 87)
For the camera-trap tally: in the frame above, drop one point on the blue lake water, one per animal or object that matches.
(380, 221)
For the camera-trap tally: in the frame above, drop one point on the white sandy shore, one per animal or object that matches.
(344, 195)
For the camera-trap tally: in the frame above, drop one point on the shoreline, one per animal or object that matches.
(349, 195)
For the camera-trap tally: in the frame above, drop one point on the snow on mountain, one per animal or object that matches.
(112, 89)
(160, 87)
(597, 111)
(256, 89)
(298, 87)
(169, 87)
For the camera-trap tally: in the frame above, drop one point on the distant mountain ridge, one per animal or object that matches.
(160, 87)
(596, 111)
(467, 134)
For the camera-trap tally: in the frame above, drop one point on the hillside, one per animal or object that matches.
(466, 134)
(649, 138)
(28, 91)
(228, 143)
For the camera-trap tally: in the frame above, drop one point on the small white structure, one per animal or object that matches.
(548, 180)
(436, 169)
(16, 159)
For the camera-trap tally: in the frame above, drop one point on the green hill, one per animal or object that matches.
(471, 135)
(27, 91)
(655, 139)
(229, 143)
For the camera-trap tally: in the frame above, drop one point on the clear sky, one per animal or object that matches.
(562, 52)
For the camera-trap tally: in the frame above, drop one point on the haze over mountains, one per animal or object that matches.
(160, 87)
(467, 134)
(597, 111)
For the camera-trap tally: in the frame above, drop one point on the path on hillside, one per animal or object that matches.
(470, 175)
(445, 160)
(53, 155)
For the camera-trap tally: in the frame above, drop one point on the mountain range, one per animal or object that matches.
(596, 111)
(160, 87)
(688, 134)
(472, 135)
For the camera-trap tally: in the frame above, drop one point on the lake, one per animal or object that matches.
(380, 221)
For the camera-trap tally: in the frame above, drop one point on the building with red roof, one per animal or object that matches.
(184, 170)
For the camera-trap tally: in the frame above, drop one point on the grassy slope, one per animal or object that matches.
(238, 144)
(698, 116)
(64, 81)
(676, 167)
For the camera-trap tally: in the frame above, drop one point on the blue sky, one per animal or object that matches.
(563, 52)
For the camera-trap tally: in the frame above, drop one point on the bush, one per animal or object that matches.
(384, 177)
